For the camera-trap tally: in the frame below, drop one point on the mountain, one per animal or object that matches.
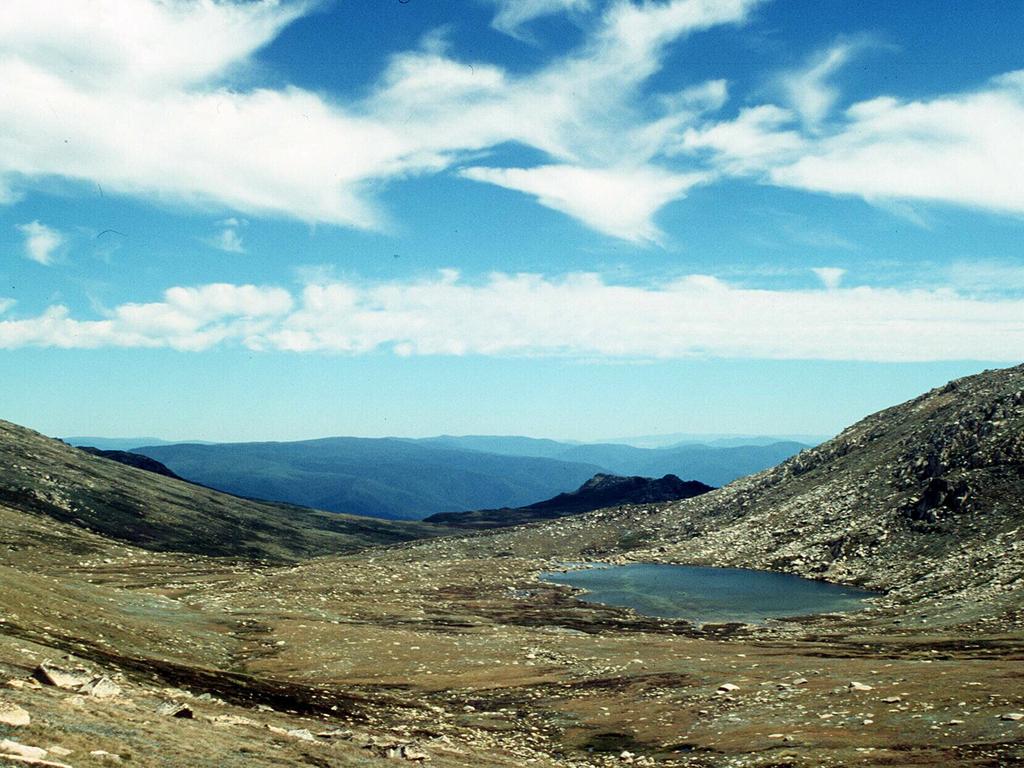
(136, 460)
(504, 445)
(712, 464)
(48, 478)
(383, 477)
(715, 440)
(599, 492)
(924, 500)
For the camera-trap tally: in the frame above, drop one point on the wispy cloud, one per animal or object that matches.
(41, 242)
(809, 90)
(512, 15)
(620, 202)
(962, 149)
(228, 238)
(576, 315)
(182, 131)
(830, 276)
(986, 276)
(143, 97)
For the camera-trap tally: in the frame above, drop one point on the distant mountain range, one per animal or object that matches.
(712, 464)
(600, 492)
(399, 478)
(380, 477)
(123, 443)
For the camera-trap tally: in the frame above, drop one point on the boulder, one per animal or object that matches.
(71, 678)
(12, 714)
(101, 687)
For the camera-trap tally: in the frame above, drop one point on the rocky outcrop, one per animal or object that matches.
(130, 459)
(601, 491)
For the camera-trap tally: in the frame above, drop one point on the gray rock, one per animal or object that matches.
(101, 687)
(174, 709)
(71, 678)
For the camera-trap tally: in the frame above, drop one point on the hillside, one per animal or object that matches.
(130, 459)
(922, 499)
(388, 478)
(598, 492)
(49, 478)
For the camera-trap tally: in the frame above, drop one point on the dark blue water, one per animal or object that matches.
(709, 595)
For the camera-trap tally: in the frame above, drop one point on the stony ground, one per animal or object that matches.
(435, 651)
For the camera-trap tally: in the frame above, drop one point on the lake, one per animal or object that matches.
(709, 595)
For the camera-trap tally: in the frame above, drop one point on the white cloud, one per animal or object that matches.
(756, 138)
(228, 239)
(617, 202)
(578, 315)
(143, 97)
(190, 319)
(809, 91)
(41, 242)
(963, 149)
(140, 96)
(513, 14)
(830, 276)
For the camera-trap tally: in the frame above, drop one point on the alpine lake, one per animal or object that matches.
(707, 595)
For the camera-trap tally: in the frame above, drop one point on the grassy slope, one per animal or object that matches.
(47, 478)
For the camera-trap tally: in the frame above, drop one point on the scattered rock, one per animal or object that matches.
(174, 709)
(294, 733)
(101, 687)
(8, 747)
(855, 686)
(336, 733)
(892, 699)
(109, 757)
(232, 720)
(1013, 716)
(728, 687)
(12, 714)
(62, 677)
(406, 752)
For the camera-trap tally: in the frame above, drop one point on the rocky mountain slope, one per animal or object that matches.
(49, 478)
(598, 492)
(925, 499)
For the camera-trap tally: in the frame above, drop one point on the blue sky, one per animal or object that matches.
(564, 218)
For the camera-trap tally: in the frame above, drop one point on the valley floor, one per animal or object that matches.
(437, 651)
